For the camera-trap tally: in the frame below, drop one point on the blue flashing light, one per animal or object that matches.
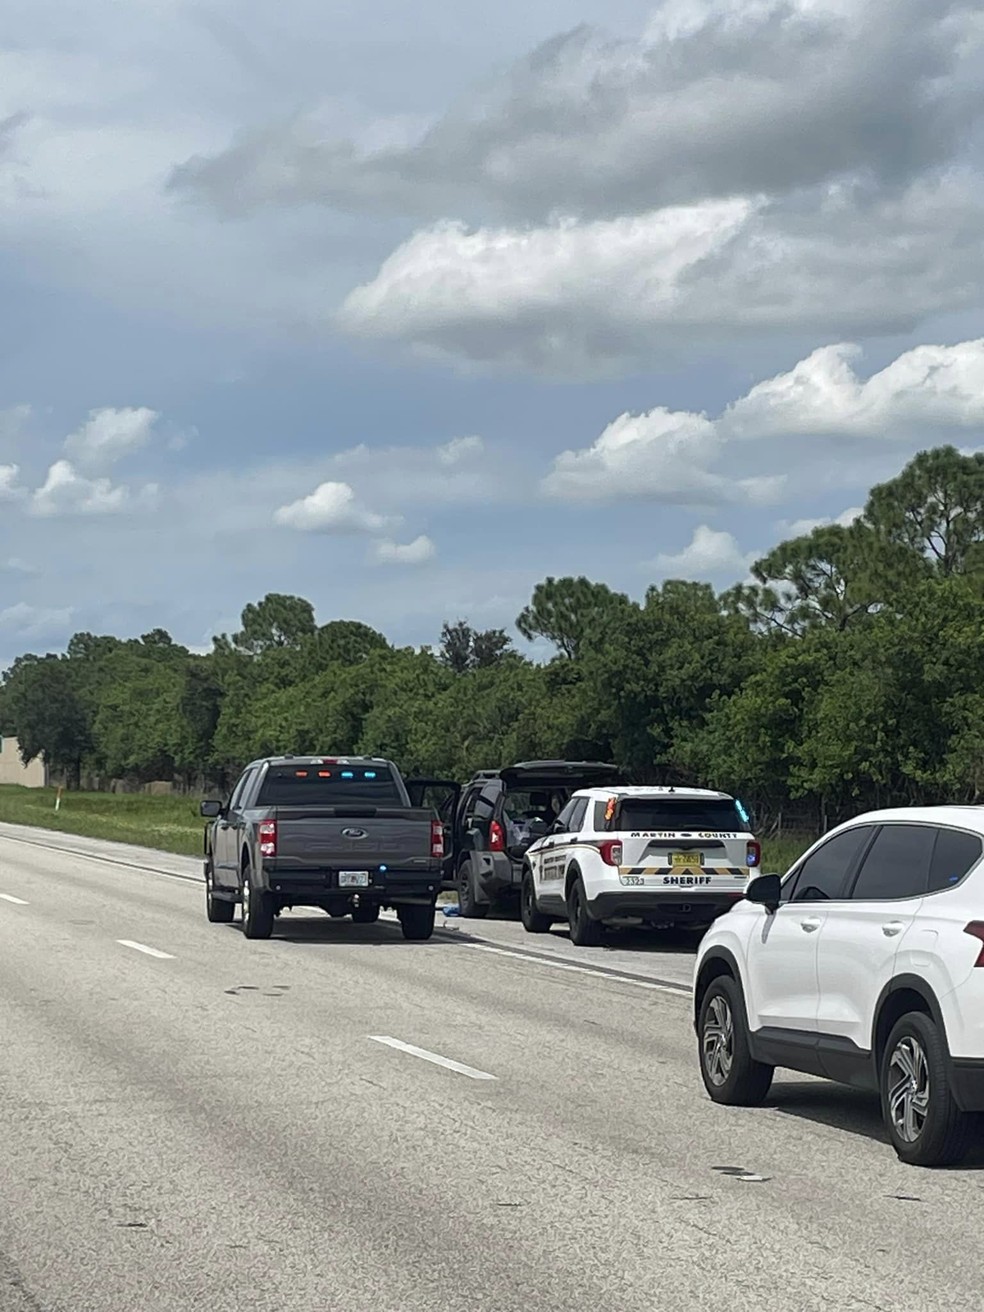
(348, 774)
(369, 774)
(383, 869)
(743, 813)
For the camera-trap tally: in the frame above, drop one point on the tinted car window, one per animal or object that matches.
(240, 788)
(953, 857)
(688, 813)
(337, 785)
(823, 876)
(576, 819)
(897, 864)
(563, 821)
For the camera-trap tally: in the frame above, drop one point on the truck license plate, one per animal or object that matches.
(353, 879)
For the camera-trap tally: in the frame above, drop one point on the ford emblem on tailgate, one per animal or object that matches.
(354, 833)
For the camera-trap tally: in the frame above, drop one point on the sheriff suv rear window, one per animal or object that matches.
(687, 814)
(329, 785)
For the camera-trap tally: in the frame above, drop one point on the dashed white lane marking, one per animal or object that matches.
(17, 901)
(680, 991)
(434, 1057)
(142, 947)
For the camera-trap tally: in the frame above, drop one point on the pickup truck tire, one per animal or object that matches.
(367, 915)
(534, 921)
(417, 922)
(468, 904)
(258, 908)
(585, 931)
(218, 910)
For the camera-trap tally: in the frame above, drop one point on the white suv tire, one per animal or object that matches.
(924, 1124)
(731, 1076)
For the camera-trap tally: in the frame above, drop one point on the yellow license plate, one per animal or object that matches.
(687, 860)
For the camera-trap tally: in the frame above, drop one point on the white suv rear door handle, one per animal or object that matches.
(808, 926)
(893, 927)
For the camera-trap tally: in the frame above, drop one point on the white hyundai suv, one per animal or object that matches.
(864, 965)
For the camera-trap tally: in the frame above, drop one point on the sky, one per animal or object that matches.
(403, 308)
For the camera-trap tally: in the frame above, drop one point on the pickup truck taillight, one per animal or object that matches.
(497, 837)
(437, 839)
(753, 853)
(268, 838)
(611, 851)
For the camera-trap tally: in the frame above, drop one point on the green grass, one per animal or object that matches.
(171, 824)
(778, 854)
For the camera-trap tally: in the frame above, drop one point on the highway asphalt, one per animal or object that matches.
(339, 1120)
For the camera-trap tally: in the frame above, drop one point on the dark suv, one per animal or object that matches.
(499, 814)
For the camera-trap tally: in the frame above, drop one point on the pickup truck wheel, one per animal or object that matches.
(416, 922)
(218, 910)
(367, 915)
(258, 909)
(585, 932)
(534, 921)
(470, 907)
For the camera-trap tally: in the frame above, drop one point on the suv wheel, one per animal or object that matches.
(468, 904)
(534, 921)
(218, 910)
(585, 931)
(258, 909)
(730, 1074)
(924, 1124)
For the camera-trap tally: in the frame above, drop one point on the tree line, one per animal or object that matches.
(848, 673)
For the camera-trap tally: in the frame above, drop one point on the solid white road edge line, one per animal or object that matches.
(142, 947)
(611, 976)
(434, 1057)
(17, 901)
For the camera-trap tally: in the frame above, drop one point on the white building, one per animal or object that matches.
(14, 771)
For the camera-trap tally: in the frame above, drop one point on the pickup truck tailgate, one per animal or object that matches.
(345, 838)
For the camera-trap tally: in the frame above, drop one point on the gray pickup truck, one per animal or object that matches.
(333, 832)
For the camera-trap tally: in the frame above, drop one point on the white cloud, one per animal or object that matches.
(10, 489)
(418, 552)
(25, 622)
(580, 300)
(798, 528)
(561, 299)
(459, 449)
(330, 508)
(660, 456)
(709, 554)
(687, 458)
(67, 492)
(930, 387)
(109, 435)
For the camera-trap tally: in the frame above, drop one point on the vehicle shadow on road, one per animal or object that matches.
(850, 1110)
(318, 931)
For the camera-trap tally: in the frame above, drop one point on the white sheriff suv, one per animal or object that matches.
(864, 965)
(666, 856)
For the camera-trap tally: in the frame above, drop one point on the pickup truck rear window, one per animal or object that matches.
(315, 785)
(719, 814)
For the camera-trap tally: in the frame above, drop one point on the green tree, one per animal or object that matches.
(570, 613)
(934, 509)
(50, 719)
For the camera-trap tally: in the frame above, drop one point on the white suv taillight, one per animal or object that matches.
(611, 851)
(268, 838)
(976, 930)
(753, 853)
(437, 839)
